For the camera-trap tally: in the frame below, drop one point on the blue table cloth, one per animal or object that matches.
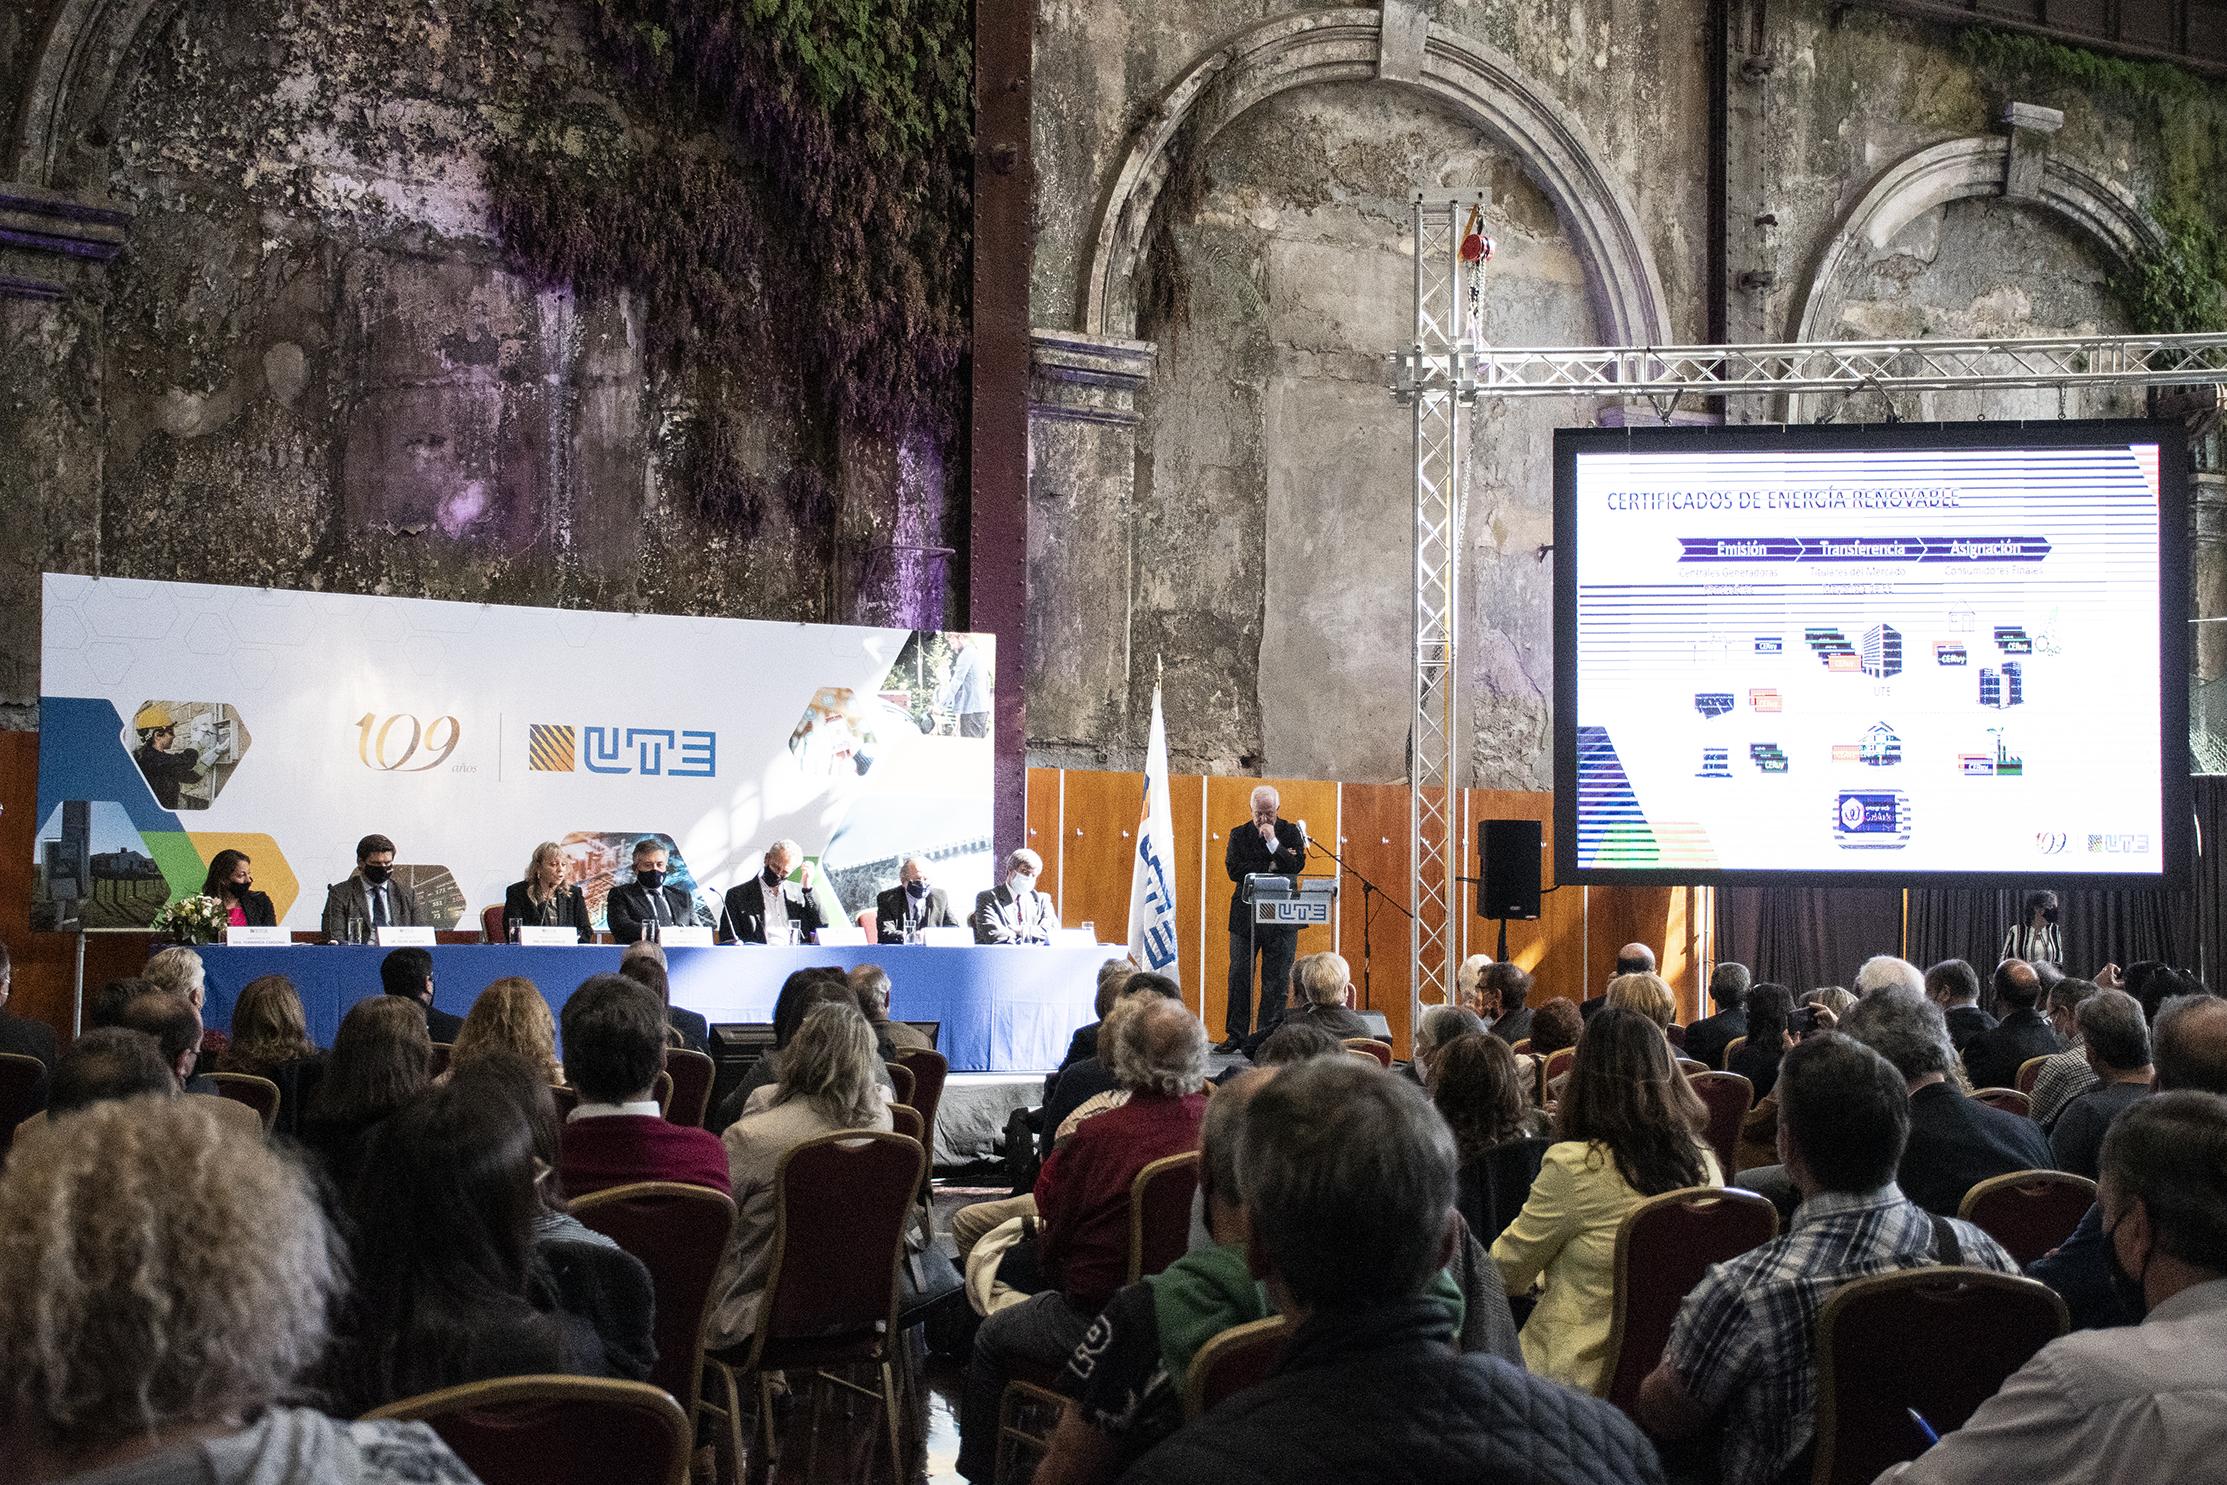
(1003, 1008)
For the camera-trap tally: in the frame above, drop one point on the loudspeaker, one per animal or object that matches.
(1509, 884)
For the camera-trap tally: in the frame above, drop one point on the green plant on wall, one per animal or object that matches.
(2183, 285)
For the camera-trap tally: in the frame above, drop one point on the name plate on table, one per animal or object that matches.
(684, 936)
(1074, 938)
(841, 933)
(547, 936)
(947, 937)
(397, 936)
(258, 937)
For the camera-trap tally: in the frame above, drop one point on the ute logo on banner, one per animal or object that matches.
(1152, 928)
(561, 748)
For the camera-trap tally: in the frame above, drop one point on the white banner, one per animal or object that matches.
(1152, 931)
(180, 719)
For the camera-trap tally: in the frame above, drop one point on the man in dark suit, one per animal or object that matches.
(370, 898)
(1632, 959)
(637, 909)
(1262, 845)
(409, 973)
(25, 1038)
(1014, 912)
(766, 899)
(911, 905)
(1954, 986)
(1728, 991)
(1992, 1059)
(1508, 987)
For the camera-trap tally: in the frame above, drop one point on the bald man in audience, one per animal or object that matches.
(1632, 959)
(1992, 1059)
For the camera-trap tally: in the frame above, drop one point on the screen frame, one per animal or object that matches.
(2174, 642)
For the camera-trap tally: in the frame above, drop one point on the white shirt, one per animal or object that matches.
(646, 1106)
(2140, 1405)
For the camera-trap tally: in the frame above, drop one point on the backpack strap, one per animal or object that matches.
(1948, 1249)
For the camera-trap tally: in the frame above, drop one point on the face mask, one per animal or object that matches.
(242, 889)
(652, 879)
(772, 876)
(2049, 915)
(2125, 1287)
(1021, 881)
(916, 889)
(375, 874)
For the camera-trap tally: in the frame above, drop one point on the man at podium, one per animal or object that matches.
(1262, 844)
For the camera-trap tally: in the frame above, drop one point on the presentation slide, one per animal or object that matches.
(1888, 651)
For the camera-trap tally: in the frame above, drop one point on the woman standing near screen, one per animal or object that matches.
(2037, 940)
(545, 899)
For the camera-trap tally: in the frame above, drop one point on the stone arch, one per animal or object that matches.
(1394, 45)
(75, 84)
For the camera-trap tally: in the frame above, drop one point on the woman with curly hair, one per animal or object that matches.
(1629, 1127)
(270, 1038)
(510, 1019)
(1481, 1092)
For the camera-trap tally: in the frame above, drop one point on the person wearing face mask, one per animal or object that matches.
(768, 899)
(2139, 1402)
(636, 910)
(231, 881)
(911, 905)
(1014, 912)
(370, 898)
(2036, 940)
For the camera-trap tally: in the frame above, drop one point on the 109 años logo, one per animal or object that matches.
(400, 743)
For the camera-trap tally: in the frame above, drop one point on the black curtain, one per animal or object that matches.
(1804, 937)
(2210, 908)
(2100, 926)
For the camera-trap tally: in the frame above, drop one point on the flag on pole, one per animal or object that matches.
(1152, 932)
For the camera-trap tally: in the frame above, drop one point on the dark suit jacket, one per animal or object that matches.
(1706, 1038)
(627, 909)
(890, 907)
(746, 912)
(440, 1026)
(1993, 1058)
(694, 1030)
(1965, 1023)
(1513, 1026)
(1081, 1082)
(1957, 1142)
(1591, 1007)
(1246, 855)
(27, 1038)
(256, 908)
(346, 898)
(568, 909)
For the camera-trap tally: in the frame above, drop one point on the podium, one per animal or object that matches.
(1286, 902)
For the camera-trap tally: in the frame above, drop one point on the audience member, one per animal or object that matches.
(1440, 1024)
(179, 970)
(1885, 971)
(1555, 1026)
(154, 1329)
(1094, 1075)
(442, 1228)
(2117, 1041)
(2138, 1404)
(105, 1063)
(2065, 1075)
(509, 1019)
(1325, 985)
(1348, 1183)
(1509, 986)
(1483, 1095)
(2154, 983)
(644, 963)
(105, 1007)
(380, 1061)
(1954, 986)
(1742, 1352)
(1632, 959)
(1296, 1041)
(1112, 975)
(1646, 993)
(1954, 1141)
(1728, 992)
(614, 1047)
(1992, 1059)
(826, 1082)
(1469, 990)
(270, 1039)
(870, 984)
(176, 1027)
(407, 974)
(1833, 1000)
(19, 1034)
(1629, 1127)
(804, 989)
(1082, 1203)
(1770, 1008)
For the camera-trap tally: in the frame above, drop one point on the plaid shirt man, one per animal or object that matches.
(2064, 1076)
(1745, 1338)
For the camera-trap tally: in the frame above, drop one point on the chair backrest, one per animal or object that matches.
(1521, 1047)
(1663, 1247)
(662, 1091)
(22, 1093)
(905, 1119)
(2029, 1070)
(438, 1062)
(1676, 1036)
(1689, 1066)
(1558, 1063)
(557, 1430)
(929, 1069)
(1368, 1057)
(1160, 1213)
(680, 1234)
(1371, 1047)
(568, 1099)
(1934, 1341)
(2009, 1100)
(2028, 1211)
(1233, 1361)
(691, 1072)
(243, 1117)
(841, 1202)
(1728, 1097)
(901, 1082)
(491, 928)
(257, 1092)
(1730, 1047)
(1493, 1186)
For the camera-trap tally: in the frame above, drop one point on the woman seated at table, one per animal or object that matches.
(231, 881)
(546, 899)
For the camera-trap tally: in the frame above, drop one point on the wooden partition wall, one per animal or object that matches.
(1084, 825)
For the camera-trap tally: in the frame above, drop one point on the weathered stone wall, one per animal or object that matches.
(314, 364)
(1263, 524)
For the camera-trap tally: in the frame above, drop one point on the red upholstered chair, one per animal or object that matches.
(2029, 1070)
(2009, 1100)
(929, 1069)
(1558, 1063)
(1689, 1066)
(1160, 1213)
(1732, 1046)
(905, 1120)
(1233, 1361)
(868, 925)
(680, 1234)
(1663, 1247)
(1729, 1097)
(691, 1072)
(1522, 1047)
(1934, 1341)
(841, 1203)
(491, 925)
(1676, 1036)
(2028, 1211)
(22, 1094)
(1369, 1046)
(568, 1099)
(901, 1084)
(258, 1093)
(662, 1091)
(557, 1430)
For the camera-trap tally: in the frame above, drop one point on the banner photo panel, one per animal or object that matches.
(181, 719)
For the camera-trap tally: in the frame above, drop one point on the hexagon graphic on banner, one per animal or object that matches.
(186, 750)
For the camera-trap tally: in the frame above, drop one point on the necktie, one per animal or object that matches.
(657, 908)
(379, 906)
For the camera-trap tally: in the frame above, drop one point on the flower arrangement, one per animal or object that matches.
(193, 920)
